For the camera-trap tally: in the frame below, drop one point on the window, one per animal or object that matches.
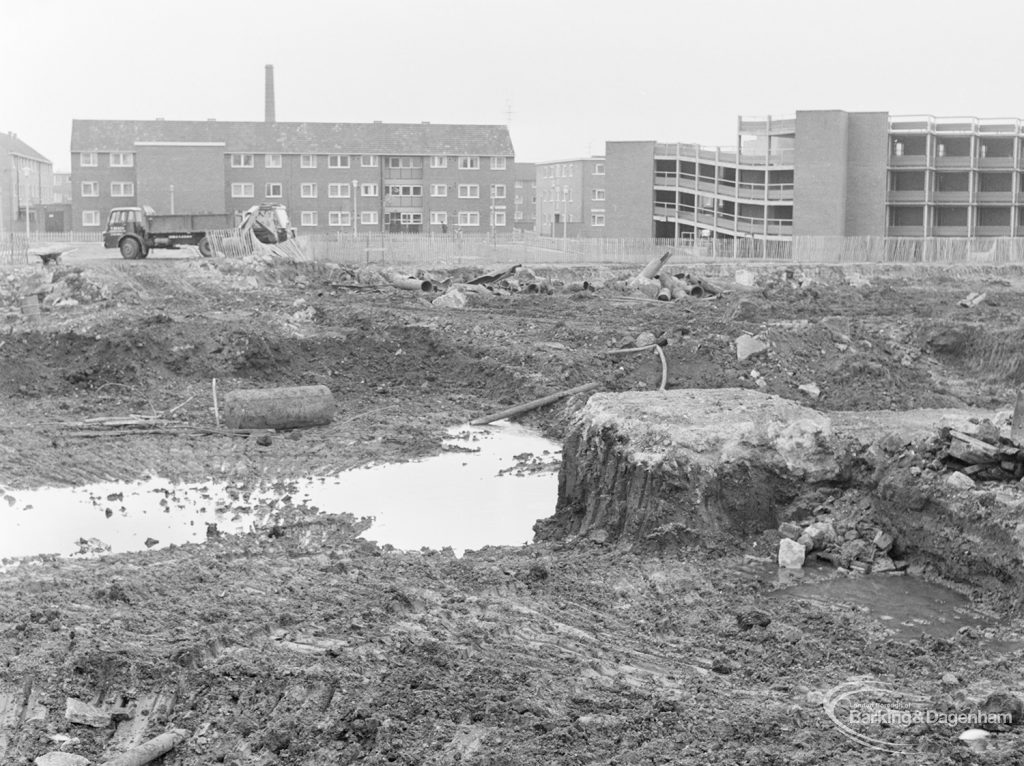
(242, 190)
(122, 189)
(307, 191)
(88, 160)
(519, 215)
(437, 161)
(273, 190)
(469, 163)
(497, 191)
(368, 190)
(339, 218)
(498, 218)
(519, 199)
(368, 216)
(272, 161)
(90, 189)
(369, 161)
(598, 168)
(90, 218)
(307, 161)
(469, 191)
(337, 161)
(404, 162)
(242, 161)
(597, 218)
(597, 195)
(122, 159)
(309, 218)
(438, 190)
(519, 184)
(339, 190)
(406, 219)
(395, 190)
(438, 217)
(498, 163)
(469, 218)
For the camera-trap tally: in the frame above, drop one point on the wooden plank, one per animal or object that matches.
(1017, 427)
(970, 450)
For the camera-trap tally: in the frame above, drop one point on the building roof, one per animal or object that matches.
(11, 144)
(298, 137)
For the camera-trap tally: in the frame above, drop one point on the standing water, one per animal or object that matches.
(488, 487)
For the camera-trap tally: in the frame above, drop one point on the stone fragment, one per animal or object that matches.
(959, 480)
(748, 346)
(747, 620)
(58, 758)
(1003, 704)
(950, 679)
(822, 534)
(791, 554)
(745, 277)
(790, 530)
(746, 311)
(883, 564)
(975, 739)
(86, 714)
(644, 339)
(883, 540)
(453, 299)
(811, 389)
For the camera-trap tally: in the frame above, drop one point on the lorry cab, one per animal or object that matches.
(126, 220)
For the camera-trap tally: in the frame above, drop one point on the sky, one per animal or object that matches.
(565, 75)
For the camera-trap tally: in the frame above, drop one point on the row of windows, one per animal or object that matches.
(117, 189)
(370, 217)
(117, 159)
(310, 161)
(565, 170)
(565, 195)
(244, 190)
(596, 218)
(243, 160)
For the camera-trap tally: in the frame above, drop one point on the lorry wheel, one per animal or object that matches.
(205, 247)
(131, 249)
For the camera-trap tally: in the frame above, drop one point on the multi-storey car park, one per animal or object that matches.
(825, 173)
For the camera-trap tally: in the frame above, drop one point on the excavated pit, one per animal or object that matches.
(656, 471)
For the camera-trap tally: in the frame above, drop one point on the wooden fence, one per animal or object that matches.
(14, 246)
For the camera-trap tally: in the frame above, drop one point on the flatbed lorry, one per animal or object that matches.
(137, 230)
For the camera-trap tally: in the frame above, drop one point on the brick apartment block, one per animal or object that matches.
(345, 177)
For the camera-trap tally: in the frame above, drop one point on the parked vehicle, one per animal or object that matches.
(137, 230)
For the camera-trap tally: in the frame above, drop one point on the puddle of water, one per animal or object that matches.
(906, 604)
(488, 488)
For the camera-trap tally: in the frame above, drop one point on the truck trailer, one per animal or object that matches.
(137, 230)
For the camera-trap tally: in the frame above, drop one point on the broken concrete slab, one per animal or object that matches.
(60, 758)
(77, 711)
(748, 346)
(791, 554)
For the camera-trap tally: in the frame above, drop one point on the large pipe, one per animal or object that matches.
(294, 407)
(149, 751)
(411, 283)
(521, 408)
(269, 109)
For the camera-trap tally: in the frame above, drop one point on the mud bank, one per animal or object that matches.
(659, 470)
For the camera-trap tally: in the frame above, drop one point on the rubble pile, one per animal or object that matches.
(847, 542)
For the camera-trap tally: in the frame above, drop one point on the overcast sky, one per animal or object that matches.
(574, 74)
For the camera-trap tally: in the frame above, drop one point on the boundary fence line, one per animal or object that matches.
(14, 246)
(454, 250)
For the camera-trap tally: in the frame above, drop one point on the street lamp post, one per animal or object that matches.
(355, 207)
(27, 171)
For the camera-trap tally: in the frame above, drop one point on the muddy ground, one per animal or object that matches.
(305, 644)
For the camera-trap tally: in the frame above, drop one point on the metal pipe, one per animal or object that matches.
(521, 408)
(151, 750)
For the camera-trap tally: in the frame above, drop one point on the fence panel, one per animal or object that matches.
(14, 246)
